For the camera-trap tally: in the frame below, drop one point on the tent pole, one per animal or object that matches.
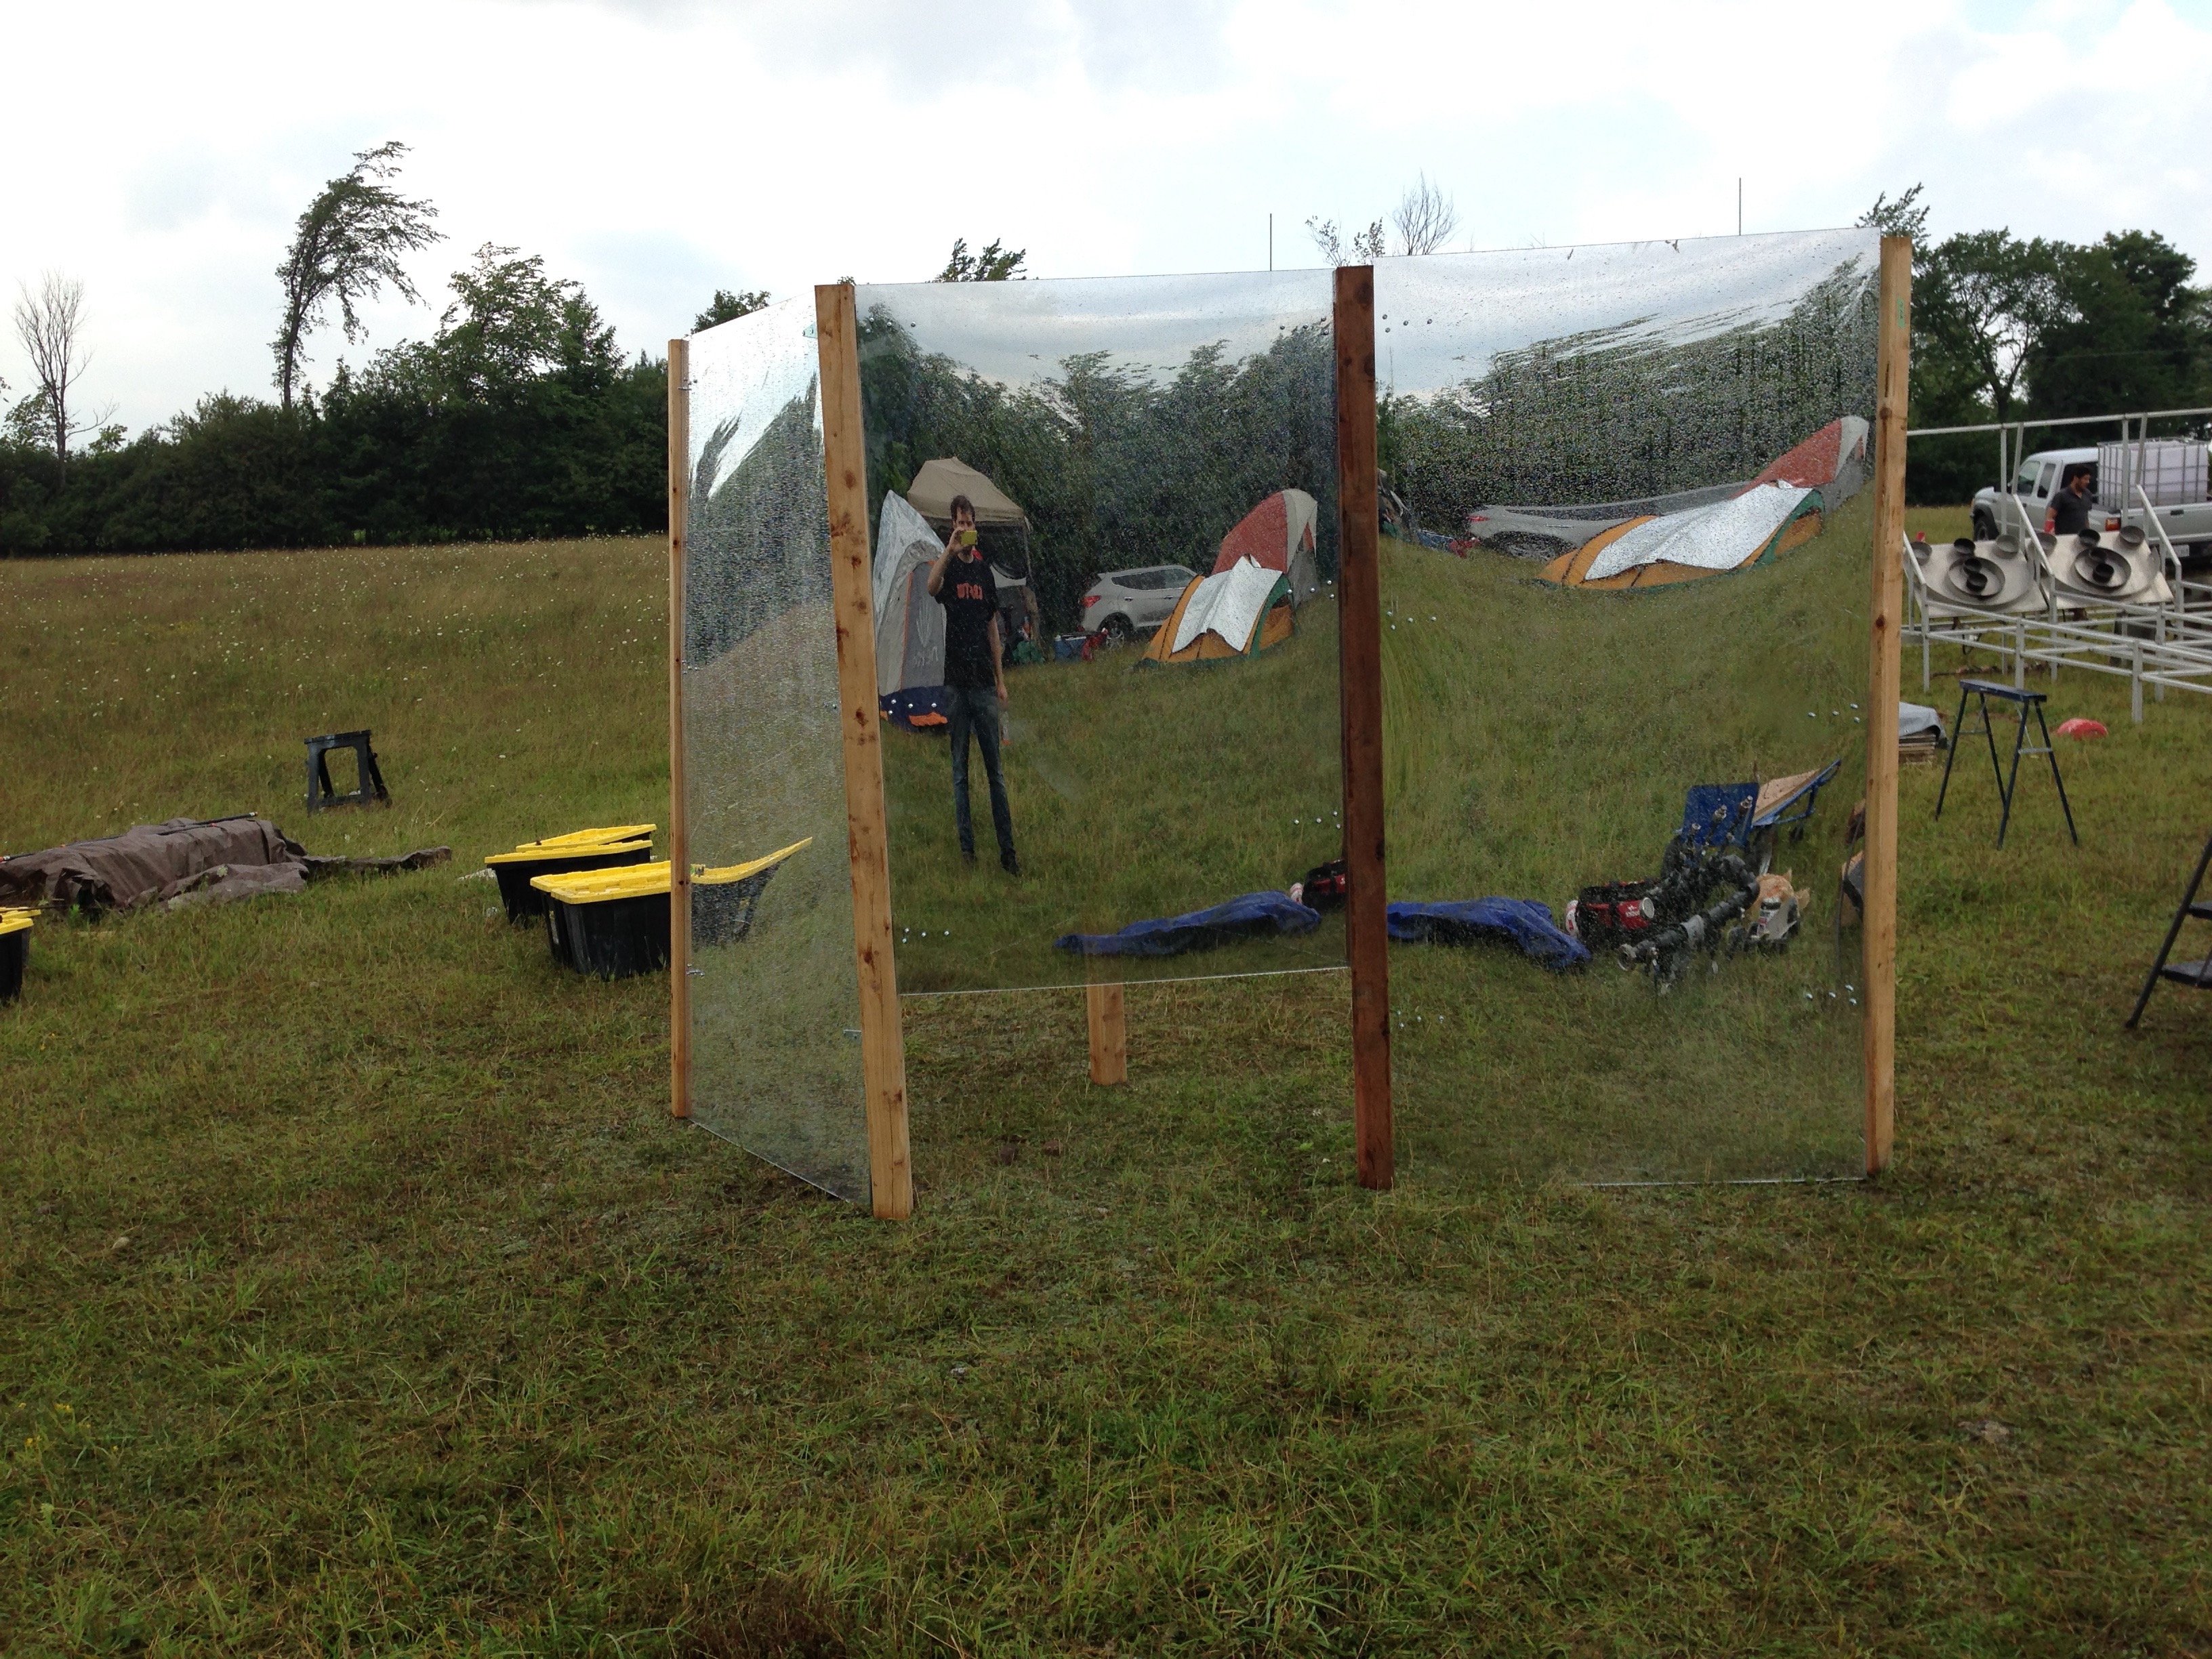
(845, 463)
(679, 840)
(1878, 976)
(1360, 682)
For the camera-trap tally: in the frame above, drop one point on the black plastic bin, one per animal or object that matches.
(616, 924)
(15, 954)
(612, 938)
(518, 869)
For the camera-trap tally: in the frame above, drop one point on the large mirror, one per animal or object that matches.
(1626, 579)
(776, 1049)
(1105, 550)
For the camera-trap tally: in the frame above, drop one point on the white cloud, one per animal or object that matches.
(657, 150)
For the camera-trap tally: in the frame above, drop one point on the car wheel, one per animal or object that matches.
(1118, 629)
(1985, 527)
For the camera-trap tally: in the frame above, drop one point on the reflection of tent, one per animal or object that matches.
(939, 482)
(910, 623)
(1674, 547)
(1779, 509)
(1278, 535)
(1237, 612)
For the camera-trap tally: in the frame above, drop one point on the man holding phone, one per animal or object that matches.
(974, 676)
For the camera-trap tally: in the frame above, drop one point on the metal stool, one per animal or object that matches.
(2025, 701)
(320, 792)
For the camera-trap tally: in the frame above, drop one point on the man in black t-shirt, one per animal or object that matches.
(974, 676)
(2069, 507)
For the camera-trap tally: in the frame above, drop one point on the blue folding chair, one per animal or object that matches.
(1718, 814)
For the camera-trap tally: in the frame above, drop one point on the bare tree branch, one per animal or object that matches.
(1426, 218)
(49, 325)
(348, 246)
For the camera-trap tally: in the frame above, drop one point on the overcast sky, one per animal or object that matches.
(657, 150)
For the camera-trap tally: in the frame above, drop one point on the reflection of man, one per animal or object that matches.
(2069, 507)
(974, 676)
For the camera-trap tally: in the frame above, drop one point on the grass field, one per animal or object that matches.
(358, 1294)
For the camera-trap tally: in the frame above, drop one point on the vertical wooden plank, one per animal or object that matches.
(1110, 1034)
(883, 1049)
(1359, 667)
(1879, 973)
(679, 844)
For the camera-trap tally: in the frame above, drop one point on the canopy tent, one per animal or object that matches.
(1732, 535)
(931, 496)
(1238, 612)
(909, 622)
(1278, 535)
(933, 488)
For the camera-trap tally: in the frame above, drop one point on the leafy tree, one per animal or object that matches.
(727, 307)
(348, 246)
(1983, 297)
(995, 264)
(2128, 332)
(1906, 217)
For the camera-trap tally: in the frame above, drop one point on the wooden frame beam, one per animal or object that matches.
(1360, 691)
(1110, 1034)
(679, 846)
(1879, 972)
(845, 460)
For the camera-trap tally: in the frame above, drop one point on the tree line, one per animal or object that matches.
(518, 416)
(2006, 328)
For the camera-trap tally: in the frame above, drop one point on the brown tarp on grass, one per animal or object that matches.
(183, 861)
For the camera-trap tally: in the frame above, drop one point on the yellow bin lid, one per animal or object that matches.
(644, 880)
(536, 852)
(15, 921)
(618, 832)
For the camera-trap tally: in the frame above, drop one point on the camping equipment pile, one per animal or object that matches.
(1713, 892)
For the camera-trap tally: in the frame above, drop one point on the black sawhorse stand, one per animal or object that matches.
(320, 790)
(2195, 974)
(2026, 701)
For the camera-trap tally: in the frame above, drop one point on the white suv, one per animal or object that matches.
(1123, 603)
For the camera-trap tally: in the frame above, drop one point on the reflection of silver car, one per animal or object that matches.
(1122, 603)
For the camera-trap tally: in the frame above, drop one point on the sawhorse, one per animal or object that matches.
(2026, 701)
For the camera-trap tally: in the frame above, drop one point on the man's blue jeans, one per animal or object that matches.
(975, 708)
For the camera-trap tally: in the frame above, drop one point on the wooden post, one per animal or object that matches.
(883, 1050)
(1110, 1034)
(679, 840)
(1879, 973)
(1359, 669)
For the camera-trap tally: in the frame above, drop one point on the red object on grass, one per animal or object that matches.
(2078, 728)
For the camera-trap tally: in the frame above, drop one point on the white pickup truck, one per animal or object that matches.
(2172, 471)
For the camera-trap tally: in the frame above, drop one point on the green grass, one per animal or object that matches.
(358, 1294)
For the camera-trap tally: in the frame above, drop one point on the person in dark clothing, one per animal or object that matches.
(2071, 507)
(974, 676)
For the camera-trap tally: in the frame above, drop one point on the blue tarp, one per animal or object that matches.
(918, 703)
(1254, 915)
(1525, 924)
